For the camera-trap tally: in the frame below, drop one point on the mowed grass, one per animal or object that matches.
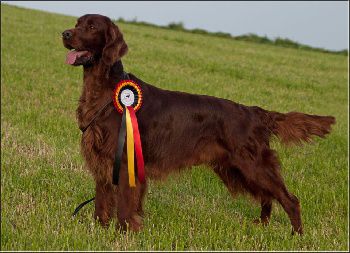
(42, 172)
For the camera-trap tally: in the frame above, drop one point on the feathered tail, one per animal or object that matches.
(296, 127)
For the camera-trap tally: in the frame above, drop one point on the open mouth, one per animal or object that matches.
(76, 57)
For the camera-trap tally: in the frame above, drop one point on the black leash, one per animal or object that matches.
(121, 141)
(81, 205)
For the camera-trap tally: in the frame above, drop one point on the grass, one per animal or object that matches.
(42, 172)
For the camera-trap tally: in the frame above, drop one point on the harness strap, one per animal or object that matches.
(96, 115)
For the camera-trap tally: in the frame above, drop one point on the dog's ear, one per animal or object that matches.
(115, 47)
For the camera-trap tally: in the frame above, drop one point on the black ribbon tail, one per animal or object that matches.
(120, 148)
(81, 205)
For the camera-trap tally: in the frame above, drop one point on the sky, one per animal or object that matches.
(319, 24)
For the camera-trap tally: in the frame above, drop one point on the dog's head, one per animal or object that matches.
(95, 39)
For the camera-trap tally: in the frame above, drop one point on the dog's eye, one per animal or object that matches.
(91, 27)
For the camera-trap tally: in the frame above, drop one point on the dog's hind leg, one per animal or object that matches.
(289, 202)
(266, 177)
(231, 177)
(235, 183)
(266, 208)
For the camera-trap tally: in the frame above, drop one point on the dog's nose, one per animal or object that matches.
(67, 34)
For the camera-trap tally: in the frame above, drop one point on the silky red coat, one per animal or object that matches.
(178, 130)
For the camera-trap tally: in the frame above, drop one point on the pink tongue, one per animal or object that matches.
(73, 55)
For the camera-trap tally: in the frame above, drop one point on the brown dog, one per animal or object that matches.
(178, 130)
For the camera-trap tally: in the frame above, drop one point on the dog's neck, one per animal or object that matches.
(114, 74)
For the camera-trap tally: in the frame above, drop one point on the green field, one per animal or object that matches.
(42, 172)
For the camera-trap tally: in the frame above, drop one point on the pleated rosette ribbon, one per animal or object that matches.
(127, 100)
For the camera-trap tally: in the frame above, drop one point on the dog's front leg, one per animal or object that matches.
(128, 199)
(105, 202)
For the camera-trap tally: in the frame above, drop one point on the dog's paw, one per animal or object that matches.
(299, 231)
(259, 221)
(134, 224)
(103, 220)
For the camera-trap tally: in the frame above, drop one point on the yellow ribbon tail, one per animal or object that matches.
(130, 149)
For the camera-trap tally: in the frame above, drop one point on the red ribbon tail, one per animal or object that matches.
(138, 147)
